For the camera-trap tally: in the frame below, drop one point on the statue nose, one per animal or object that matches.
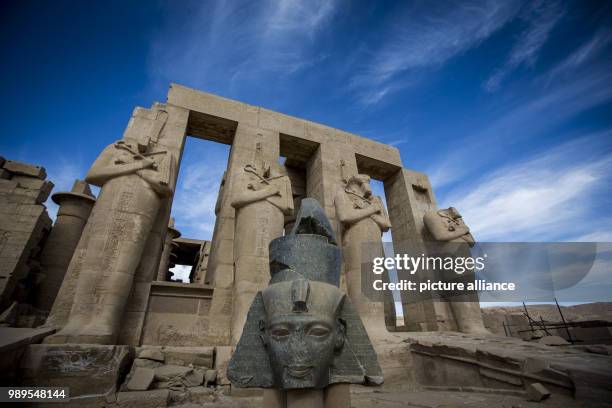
(298, 349)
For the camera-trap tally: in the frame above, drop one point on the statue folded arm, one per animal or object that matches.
(114, 163)
(382, 218)
(347, 214)
(441, 232)
(244, 192)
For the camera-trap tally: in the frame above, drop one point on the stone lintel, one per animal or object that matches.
(215, 118)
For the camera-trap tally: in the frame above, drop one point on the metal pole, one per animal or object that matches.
(528, 317)
(569, 335)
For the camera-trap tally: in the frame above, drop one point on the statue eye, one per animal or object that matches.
(318, 331)
(279, 332)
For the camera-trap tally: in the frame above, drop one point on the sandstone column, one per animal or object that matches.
(74, 209)
(164, 262)
(409, 198)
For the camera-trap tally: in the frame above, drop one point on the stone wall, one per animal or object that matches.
(24, 224)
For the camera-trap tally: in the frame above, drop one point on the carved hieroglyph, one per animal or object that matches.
(262, 197)
(134, 176)
(364, 219)
(447, 225)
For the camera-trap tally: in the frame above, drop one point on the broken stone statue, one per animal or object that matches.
(302, 331)
(453, 238)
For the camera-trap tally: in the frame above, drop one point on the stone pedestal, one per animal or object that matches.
(164, 262)
(88, 370)
(74, 209)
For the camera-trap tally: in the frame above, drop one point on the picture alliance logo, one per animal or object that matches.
(411, 264)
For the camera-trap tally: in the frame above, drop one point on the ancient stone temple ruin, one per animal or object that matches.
(95, 288)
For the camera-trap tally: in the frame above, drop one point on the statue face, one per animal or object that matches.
(301, 349)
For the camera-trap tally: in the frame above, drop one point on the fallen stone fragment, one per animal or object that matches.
(143, 362)
(553, 341)
(194, 378)
(210, 377)
(141, 379)
(169, 372)
(537, 392)
(152, 354)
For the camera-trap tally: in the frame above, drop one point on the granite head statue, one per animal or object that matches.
(302, 331)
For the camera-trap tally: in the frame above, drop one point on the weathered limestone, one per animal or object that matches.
(135, 175)
(177, 314)
(447, 226)
(24, 223)
(262, 196)
(364, 219)
(72, 215)
(409, 198)
(164, 263)
(67, 365)
(472, 362)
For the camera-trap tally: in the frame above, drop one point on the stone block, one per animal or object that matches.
(553, 341)
(143, 362)
(141, 379)
(537, 392)
(170, 371)
(7, 186)
(5, 174)
(154, 354)
(194, 378)
(210, 377)
(201, 395)
(198, 356)
(67, 365)
(222, 358)
(24, 169)
(143, 399)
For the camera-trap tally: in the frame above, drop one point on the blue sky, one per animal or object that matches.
(505, 105)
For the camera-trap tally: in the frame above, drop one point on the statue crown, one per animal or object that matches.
(310, 251)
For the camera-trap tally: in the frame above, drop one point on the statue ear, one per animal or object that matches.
(340, 334)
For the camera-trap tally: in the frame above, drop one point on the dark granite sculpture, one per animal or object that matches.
(302, 331)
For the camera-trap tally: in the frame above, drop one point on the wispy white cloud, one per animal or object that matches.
(194, 201)
(223, 45)
(584, 54)
(420, 39)
(545, 197)
(534, 112)
(541, 18)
